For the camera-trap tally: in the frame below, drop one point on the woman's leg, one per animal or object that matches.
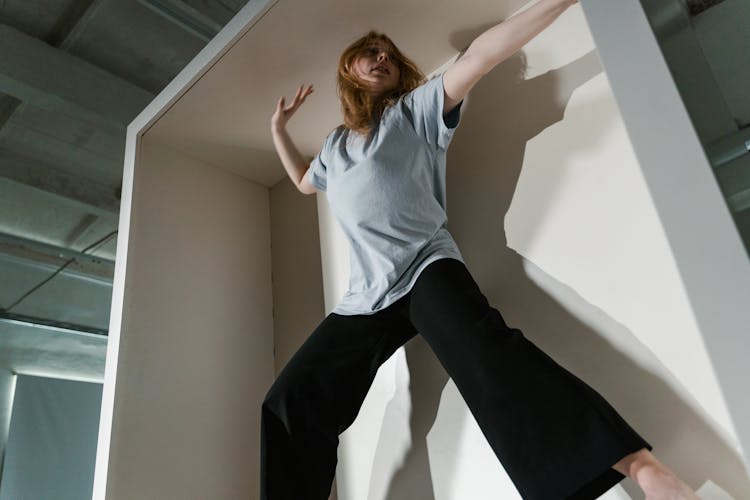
(556, 437)
(318, 395)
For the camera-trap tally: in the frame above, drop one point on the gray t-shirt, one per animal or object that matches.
(388, 195)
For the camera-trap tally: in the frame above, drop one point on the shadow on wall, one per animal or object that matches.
(490, 145)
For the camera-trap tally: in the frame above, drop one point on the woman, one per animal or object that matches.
(383, 172)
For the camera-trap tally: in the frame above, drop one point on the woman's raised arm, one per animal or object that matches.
(294, 164)
(495, 45)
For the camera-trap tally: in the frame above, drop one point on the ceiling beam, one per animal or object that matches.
(70, 31)
(698, 6)
(47, 77)
(79, 25)
(219, 10)
(183, 15)
(46, 178)
(8, 106)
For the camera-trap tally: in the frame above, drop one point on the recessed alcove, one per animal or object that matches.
(223, 267)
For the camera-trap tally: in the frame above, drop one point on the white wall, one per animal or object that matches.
(195, 348)
(586, 272)
(581, 211)
(706, 247)
(297, 277)
(298, 301)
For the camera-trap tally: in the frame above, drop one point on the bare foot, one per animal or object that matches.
(660, 483)
(656, 480)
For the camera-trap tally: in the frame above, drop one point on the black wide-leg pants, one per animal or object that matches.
(556, 437)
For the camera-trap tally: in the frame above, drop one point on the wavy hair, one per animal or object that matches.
(361, 111)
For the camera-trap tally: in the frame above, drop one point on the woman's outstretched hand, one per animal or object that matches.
(282, 114)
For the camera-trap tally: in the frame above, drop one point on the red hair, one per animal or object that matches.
(360, 110)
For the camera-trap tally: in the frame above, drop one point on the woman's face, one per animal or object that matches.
(376, 68)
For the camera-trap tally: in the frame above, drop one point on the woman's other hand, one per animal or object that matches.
(282, 114)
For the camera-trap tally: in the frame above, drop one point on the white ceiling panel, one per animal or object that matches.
(225, 117)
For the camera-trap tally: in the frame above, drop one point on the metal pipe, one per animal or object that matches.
(54, 251)
(60, 326)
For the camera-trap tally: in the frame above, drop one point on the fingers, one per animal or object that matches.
(302, 93)
(299, 93)
(279, 107)
(299, 98)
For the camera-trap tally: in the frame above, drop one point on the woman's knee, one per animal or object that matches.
(283, 396)
(297, 399)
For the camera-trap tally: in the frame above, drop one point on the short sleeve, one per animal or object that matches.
(424, 109)
(316, 174)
